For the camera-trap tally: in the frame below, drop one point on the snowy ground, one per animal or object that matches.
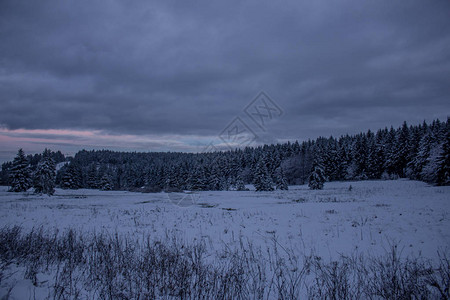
(367, 219)
(334, 220)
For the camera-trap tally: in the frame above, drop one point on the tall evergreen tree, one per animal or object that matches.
(262, 180)
(45, 175)
(20, 174)
(401, 149)
(197, 180)
(239, 184)
(72, 178)
(281, 180)
(390, 155)
(375, 157)
(93, 181)
(215, 182)
(106, 182)
(317, 177)
(443, 171)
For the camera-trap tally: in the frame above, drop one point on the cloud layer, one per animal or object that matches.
(187, 69)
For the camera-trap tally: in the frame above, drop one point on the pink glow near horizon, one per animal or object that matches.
(71, 141)
(50, 131)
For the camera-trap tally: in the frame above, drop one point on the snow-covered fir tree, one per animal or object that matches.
(171, 182)
(106, 182)
(443, 169)
(20, 174)
(45, 175)
(281, 180)
(72, 178)
(317, 177)
(198, 181)
(262, 180)
(239, 184)
(214, 179)
(92, 177)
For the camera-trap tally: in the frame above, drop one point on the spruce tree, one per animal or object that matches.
(72, 178)
(45, 175)
(443, 172)
(317, 177)
(106, 182)
(92, 177)
(239, 185)
(281, 180)
(20, 174)
(198, 181)
(224, 183)
(215, 182)
(262, 180)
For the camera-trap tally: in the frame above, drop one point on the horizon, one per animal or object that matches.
(205, 149)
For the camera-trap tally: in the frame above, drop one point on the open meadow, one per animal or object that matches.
(282, 229)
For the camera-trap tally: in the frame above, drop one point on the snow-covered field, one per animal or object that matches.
(368, 218)
(330, 221)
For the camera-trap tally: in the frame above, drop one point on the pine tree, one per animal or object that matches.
(343, 157)
(197, 180)
(390, 155)
(92, 177)
(443, 172)
(239, 185)
(106, 182)
(281, 180)
(72, 178)
(262, 180)
(224, 183)
(317, 177)
(375, 157)
(401, 149)
(20, 174)
(215, 182)
(171, 183)
(45, 175)
(360, 156)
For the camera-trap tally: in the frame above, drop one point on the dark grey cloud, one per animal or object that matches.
(143, 67)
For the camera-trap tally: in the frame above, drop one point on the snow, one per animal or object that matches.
(61, 164)
(367, 218)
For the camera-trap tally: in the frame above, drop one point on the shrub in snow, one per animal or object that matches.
(114, 266)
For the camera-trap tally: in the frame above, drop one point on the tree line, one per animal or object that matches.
(419, 152)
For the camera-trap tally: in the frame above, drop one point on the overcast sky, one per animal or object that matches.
(173, 75)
